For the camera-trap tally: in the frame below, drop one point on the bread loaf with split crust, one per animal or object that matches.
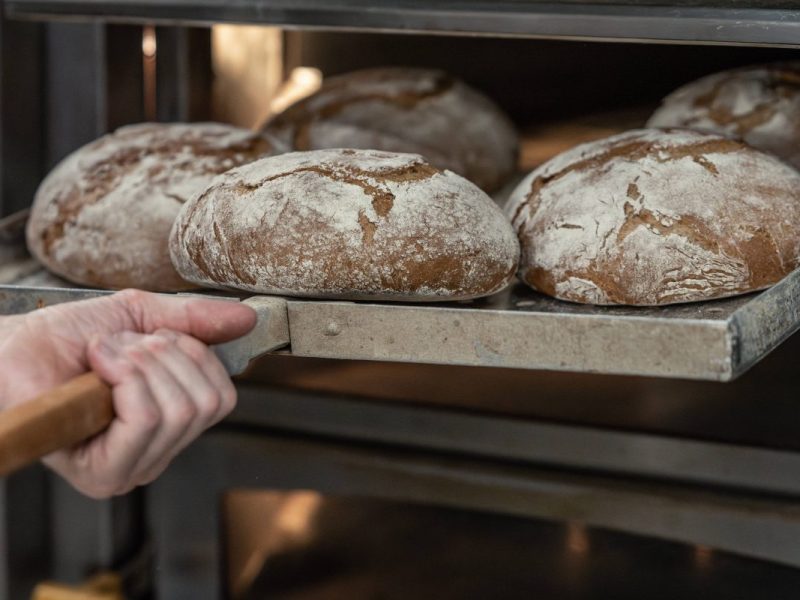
(653, 217)
(759, 104)
(102, 217)
(351, 224)
(421, 111)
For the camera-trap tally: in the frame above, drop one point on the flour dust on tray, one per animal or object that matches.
(652, 217)
(353, 224)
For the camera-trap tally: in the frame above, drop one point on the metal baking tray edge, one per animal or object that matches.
(760, 326)
(591, 342)
(516, 328)
(713, 346)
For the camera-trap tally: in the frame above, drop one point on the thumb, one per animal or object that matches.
(210, 321)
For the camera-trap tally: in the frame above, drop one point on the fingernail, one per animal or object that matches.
(106, 350)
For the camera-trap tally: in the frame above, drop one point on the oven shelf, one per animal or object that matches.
(516, 328)
(740, 22)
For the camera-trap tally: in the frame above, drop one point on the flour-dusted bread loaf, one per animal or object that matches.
(760, 105)
(102, 217)
(652, 217)
(354, 224)
(421, 111)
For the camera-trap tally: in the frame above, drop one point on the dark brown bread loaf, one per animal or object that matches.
(420, 111)
(102, 217)
(652, 217)
(354, 224)
(760, 105)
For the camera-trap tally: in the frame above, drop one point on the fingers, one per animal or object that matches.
(73, 324)
(104, 466)
(210, 321)
(168, 388)
(196, 367)
(189, 390)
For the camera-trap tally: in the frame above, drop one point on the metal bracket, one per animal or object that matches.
(270, 333)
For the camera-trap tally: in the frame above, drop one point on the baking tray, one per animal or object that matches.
(740, 22)
(516, 328)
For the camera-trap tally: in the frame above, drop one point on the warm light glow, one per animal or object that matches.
(149, 46)
(149, 75)
(248, 70)
(293, 518)
(703, 555)
(302, 82)
(577, 539)
(306, 77)
(292, 523)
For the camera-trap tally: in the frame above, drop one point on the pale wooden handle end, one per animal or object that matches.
(60, 418)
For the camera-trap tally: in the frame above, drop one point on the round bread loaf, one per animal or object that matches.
(352, 224)
(406, 110)
(102, 217)
(652, 217)
(760, 105)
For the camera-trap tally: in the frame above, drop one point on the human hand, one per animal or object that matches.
(167, 384)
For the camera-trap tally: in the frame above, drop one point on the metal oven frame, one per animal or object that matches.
(735, 497)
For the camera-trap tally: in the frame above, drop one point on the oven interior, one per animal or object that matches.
(367, 479)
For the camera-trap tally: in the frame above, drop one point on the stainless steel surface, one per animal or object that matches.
(270, 333)
(716, 341)
(519, 328)
(186, 499)
(184, 74)
(22, 93)
(89, 535)
(564, 446)
(715, 22)
(522, 329)
(366, 548)
(76, 70)
(25, 537)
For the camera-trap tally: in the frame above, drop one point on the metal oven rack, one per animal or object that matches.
(757, 22)
(515, 328)
(737, 497)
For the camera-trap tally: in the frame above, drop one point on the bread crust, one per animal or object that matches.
(353, 224)
(418, 111)
(758, 104)
(102, 217)
(655, 217)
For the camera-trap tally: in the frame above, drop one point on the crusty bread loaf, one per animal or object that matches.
(353, 224)
(420, 111)
(652, 217)
(102, 216)
(760, 105)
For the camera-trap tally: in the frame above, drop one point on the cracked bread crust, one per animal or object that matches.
(654, 217)
(348, 224)
(102, 216)
(758, 104)
(418, 111)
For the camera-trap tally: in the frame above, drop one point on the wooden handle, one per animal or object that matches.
(62, 417)
(105, 586)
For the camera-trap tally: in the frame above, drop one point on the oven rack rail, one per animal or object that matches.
(736, 22)
(517, 328)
